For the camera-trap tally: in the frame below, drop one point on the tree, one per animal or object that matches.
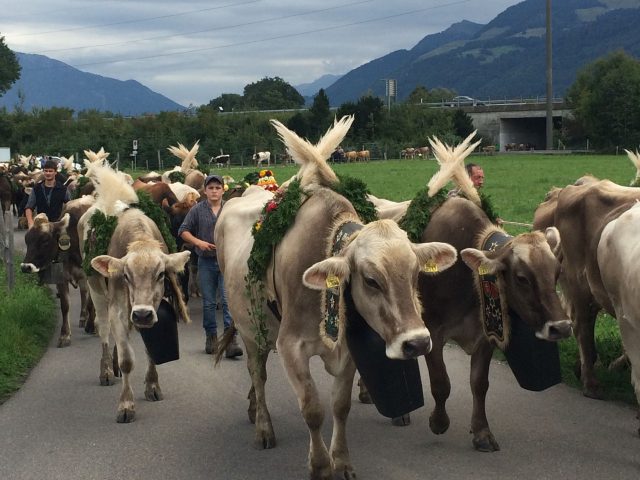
(227, 102)
(462, 123)
(272, 94)
(320, 114)
(604, 99)
(9, 67)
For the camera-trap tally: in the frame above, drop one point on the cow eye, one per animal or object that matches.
(126, 278)
(371, 283)
(523, 280)
(160, 276)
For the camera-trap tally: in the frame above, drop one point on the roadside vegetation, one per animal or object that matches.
(27, 321)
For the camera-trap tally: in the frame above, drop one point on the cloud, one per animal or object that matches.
(193, 51)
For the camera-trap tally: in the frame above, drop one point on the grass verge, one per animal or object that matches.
(27, 321)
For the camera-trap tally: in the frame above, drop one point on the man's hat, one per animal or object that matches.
(213, 178)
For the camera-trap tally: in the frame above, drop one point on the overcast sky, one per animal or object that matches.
(193, 51)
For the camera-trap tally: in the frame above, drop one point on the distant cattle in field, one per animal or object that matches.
(489, 149)
(423, 152)
(363, 156)
(261, 157)
(408, 152)
(351, 156)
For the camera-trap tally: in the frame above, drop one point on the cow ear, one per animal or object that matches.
(434, 257)
(108, 266)
(175, 262)
(477, 260)
(328, 273)
(41, 221)
(553, 238)
(62, 224)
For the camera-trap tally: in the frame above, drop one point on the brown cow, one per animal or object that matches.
(581, 213)
(363, 156)
(351, 156)
(160, 192)
(526, 268)
(378, 262)
(136, 265)
(46, 243)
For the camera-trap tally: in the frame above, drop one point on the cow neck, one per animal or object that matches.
(494, 310)
(333, 303)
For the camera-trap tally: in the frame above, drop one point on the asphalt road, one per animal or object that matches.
(61, 425)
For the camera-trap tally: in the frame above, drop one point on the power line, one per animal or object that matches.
(217, 29)
(139, 20)
(277, 37)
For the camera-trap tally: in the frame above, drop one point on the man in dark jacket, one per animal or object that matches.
(48, 196)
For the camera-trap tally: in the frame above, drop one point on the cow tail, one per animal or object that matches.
(224, 342)
(178, 300)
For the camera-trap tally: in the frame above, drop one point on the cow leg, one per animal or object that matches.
(84, 305)
(258, 412)
(341, 405)
(483, 439)
(126, 412)
(98, 291)
(152, 391)
(65, 331)
(296, 364)
(440, 387)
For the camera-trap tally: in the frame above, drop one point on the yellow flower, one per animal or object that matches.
(226, 187)
(257, 226)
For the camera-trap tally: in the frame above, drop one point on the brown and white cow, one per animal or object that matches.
(44, 246)
(378, 262)
(525, 266)
(136, 266)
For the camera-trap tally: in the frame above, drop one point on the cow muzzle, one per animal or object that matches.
(410, 344)
(143, 316)
(554, 331)
(28, 268)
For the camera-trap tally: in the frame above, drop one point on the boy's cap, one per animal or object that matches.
(213, 178)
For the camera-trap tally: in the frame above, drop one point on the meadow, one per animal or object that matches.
(516, 183)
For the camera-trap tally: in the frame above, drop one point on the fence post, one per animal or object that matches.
(6, 230)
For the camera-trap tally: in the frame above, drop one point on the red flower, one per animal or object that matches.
(271, 206)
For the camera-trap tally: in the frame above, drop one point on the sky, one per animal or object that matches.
(194, 51)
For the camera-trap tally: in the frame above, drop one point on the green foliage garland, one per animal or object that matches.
(152, 210)
(100, 232)
(80, 183)
(418, 214)
(356, 191)
(177, 177)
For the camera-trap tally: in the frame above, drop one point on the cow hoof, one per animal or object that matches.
(485, 443)
(439, 423)
(64, 342)
(107, 379)
(153, 394)
(82, 323)
(364, 397)
(594, 392)
(90, 329)
(264, 441)
(126, 415)
(347, 473)
(401, 421)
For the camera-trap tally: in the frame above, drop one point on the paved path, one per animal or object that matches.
(61, 425)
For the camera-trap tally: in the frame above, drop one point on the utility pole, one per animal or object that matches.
(549, 125)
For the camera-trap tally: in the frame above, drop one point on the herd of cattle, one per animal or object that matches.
(584, 240)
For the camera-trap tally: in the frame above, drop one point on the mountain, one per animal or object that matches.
(507, 56)
(46, 83)
(310, 89)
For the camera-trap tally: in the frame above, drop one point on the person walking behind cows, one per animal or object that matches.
(197, 229)
(48, 196)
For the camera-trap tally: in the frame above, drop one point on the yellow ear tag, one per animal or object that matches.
(482, 270)
(430, 267)
(332, 281)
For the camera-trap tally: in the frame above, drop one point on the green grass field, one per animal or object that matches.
(516, 183)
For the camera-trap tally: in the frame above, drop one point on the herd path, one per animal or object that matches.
(61, 425)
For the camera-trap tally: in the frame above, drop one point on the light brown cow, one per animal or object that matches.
(582, 212)
(378, 262)
(363, 156)
(136, 265)
(408, 152)
(351, 156)
(423, 152)
(527, 270)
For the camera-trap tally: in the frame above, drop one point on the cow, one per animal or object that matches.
(160, 192)
(423, 152)
(48, 242)
(137, 267)
(193, 177)
(6, 192)
(408, 152)
(351, 156)
(621, 280)
(581, 212)
(527, 270)
(261, 157)
(379, 264)
(363, 156)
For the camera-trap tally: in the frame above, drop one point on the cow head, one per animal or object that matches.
(529, 272)
(143, 270)
(42, 242)
(382, 267)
